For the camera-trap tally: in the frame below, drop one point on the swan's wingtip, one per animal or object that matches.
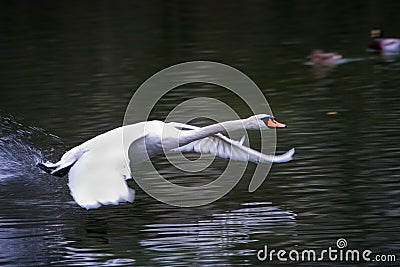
(91, 206)
(288, 156)
(291, 154)
(95, 204)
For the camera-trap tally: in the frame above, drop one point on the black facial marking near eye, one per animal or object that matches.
(265, 120)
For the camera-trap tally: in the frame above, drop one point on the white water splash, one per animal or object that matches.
(18, 151)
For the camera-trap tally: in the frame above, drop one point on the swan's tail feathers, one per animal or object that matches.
(54, 169)
(288, 156)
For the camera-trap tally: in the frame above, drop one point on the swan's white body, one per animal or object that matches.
(98, 167)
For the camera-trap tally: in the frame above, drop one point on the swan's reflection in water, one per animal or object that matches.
(214, 240)
(184, 237)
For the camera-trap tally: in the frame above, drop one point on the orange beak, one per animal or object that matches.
(274, 124)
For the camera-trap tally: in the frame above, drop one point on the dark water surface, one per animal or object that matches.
(68, 71)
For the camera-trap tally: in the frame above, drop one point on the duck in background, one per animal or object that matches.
(386, 45)
(319, 57)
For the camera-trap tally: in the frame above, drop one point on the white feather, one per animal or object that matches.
(94, 182)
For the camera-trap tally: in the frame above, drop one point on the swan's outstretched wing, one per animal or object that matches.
(93, 184)
(223, 147)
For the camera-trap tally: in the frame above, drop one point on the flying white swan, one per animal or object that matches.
(97, 168)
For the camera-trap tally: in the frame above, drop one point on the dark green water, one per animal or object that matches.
(68, 71)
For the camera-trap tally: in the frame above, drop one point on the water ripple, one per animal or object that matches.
(220, 235)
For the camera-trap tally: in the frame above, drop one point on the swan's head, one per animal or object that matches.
(262, 122)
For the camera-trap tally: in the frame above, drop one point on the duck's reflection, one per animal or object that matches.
(390, 56)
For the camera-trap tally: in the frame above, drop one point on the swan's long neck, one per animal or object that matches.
(187, 137)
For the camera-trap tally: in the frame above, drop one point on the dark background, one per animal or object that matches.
(69, 68)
